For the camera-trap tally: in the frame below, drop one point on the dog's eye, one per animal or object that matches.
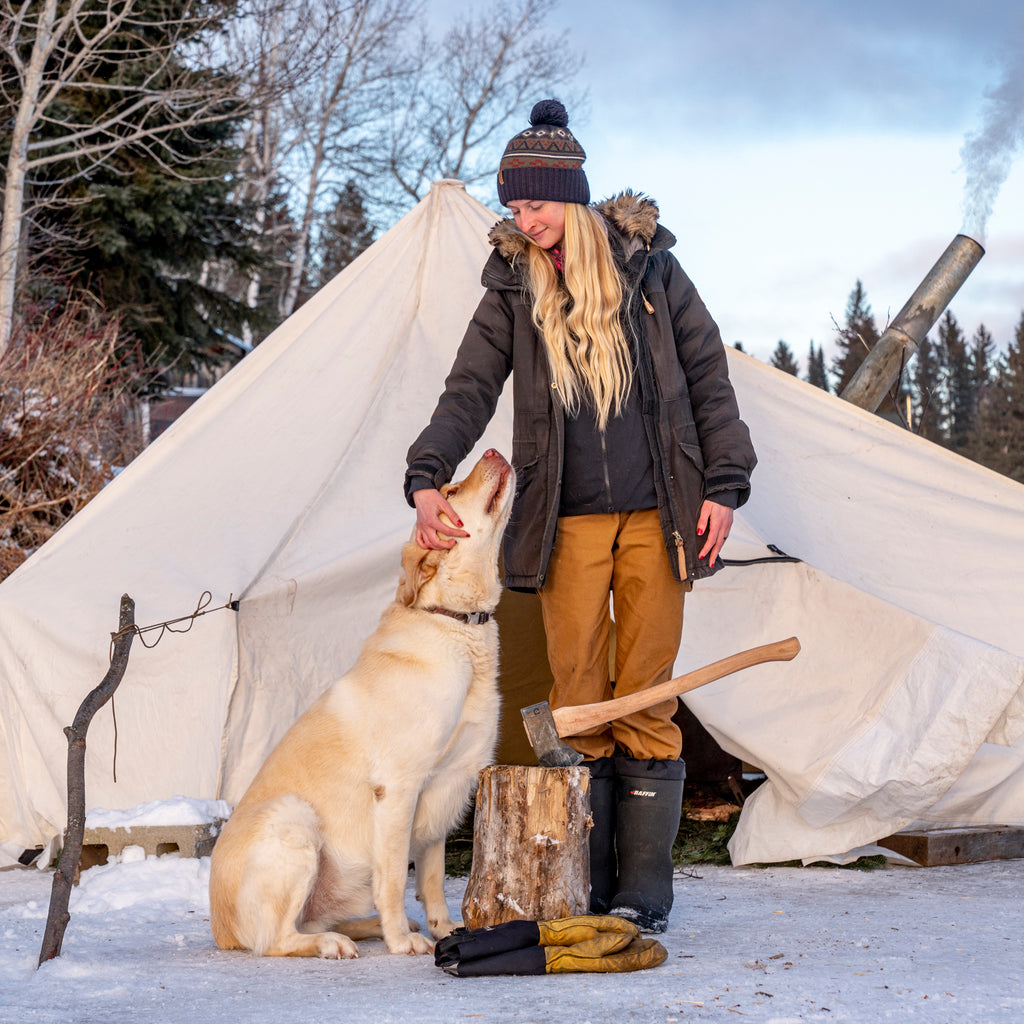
(452, 491)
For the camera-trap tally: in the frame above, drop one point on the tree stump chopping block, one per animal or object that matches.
(531, 858)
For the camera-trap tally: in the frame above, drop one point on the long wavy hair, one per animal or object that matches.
(578, 316)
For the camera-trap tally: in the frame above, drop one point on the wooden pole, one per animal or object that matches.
(531, 858)
(67, 866)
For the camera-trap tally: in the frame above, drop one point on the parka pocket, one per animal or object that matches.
(693, 453)
(524, 461)
(524, 454)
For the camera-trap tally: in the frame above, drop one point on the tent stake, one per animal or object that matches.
(71, 855)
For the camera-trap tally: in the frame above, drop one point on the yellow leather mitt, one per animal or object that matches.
(587, 943)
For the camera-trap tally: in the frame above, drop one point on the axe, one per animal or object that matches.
(545, 727)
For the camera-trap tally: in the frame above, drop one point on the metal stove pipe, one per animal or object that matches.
(881, 369)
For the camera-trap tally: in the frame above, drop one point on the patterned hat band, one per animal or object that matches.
(537, 160)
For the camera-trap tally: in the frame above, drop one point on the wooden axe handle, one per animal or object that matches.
(572, 720)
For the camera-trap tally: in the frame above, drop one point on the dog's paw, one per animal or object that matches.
(442, 926)
(411, 943)
(335, 946)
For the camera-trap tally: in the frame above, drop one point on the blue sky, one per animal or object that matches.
(796, 146)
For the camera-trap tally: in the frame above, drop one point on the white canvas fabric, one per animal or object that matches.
(281, 490)
(905, 705)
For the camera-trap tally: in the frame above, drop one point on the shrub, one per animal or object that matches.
(64, 388)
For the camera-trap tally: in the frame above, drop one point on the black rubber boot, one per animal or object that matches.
(648, 807)
(604, 871)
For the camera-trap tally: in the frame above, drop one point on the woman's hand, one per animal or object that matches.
(716, 521)
(431, 530)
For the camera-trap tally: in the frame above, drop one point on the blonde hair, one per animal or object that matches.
(578, 317)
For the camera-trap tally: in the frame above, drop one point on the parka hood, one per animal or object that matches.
(632, 215)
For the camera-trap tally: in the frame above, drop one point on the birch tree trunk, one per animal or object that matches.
(73, 46)
(17, 166)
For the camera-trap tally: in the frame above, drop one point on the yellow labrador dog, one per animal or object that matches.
(381, 767)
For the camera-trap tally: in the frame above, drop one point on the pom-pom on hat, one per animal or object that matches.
(545, 161)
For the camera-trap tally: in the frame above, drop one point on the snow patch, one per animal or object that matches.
(179, 810)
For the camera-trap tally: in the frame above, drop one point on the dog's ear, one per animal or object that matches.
(448, 491)
(419, 565)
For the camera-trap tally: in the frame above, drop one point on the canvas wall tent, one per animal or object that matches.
(281, 490)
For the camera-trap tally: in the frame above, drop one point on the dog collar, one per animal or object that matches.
(473, 618)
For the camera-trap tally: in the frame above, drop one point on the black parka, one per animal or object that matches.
(699, 445)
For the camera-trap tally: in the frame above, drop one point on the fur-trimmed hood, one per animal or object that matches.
(632, 215)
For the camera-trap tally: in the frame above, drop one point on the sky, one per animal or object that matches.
(796, 146)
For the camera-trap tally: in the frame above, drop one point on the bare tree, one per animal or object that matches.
(319, 87)
(280, 45)
(486, 71)
(55, 50)
(339, 114)
(342, 90)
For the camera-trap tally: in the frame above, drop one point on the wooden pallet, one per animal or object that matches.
(971, 845)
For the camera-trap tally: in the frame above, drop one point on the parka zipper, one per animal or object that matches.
(684, 575)
(607, 477)
(680, 556)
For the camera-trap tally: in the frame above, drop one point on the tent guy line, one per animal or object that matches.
(168, 626)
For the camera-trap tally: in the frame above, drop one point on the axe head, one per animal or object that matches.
(550, 750)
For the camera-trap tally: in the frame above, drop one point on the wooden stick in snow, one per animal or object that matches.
(71, 855)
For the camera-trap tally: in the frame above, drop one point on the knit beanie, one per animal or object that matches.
(544, 162)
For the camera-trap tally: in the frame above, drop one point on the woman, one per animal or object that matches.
(630, 457)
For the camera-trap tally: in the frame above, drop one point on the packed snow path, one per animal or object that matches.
(774, 945)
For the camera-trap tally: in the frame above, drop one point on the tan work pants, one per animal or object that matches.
(624, 553)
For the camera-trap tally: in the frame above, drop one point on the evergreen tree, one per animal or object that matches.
(999, 439)
(927, 397)
(980, 357)
(143, 229)
(816, 372)
(784, 360)
(958, 399)
(855, 339)
(345, 233)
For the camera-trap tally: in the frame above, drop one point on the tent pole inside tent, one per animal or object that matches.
(882, 367)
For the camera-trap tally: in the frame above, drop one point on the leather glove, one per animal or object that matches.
(585, 943)
(567, 931)
(601, 956)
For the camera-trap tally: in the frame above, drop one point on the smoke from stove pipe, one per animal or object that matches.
(881, 368)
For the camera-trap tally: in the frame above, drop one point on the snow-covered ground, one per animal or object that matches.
(772, 945)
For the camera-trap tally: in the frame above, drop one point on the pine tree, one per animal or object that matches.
(999, 439)
(816, 372)
(345, 233)
(957, 396)
(980, 357)
(143, 228)
(784, 360)
(927, 396)
(855, 339)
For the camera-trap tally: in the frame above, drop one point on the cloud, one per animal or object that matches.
(796, 66)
